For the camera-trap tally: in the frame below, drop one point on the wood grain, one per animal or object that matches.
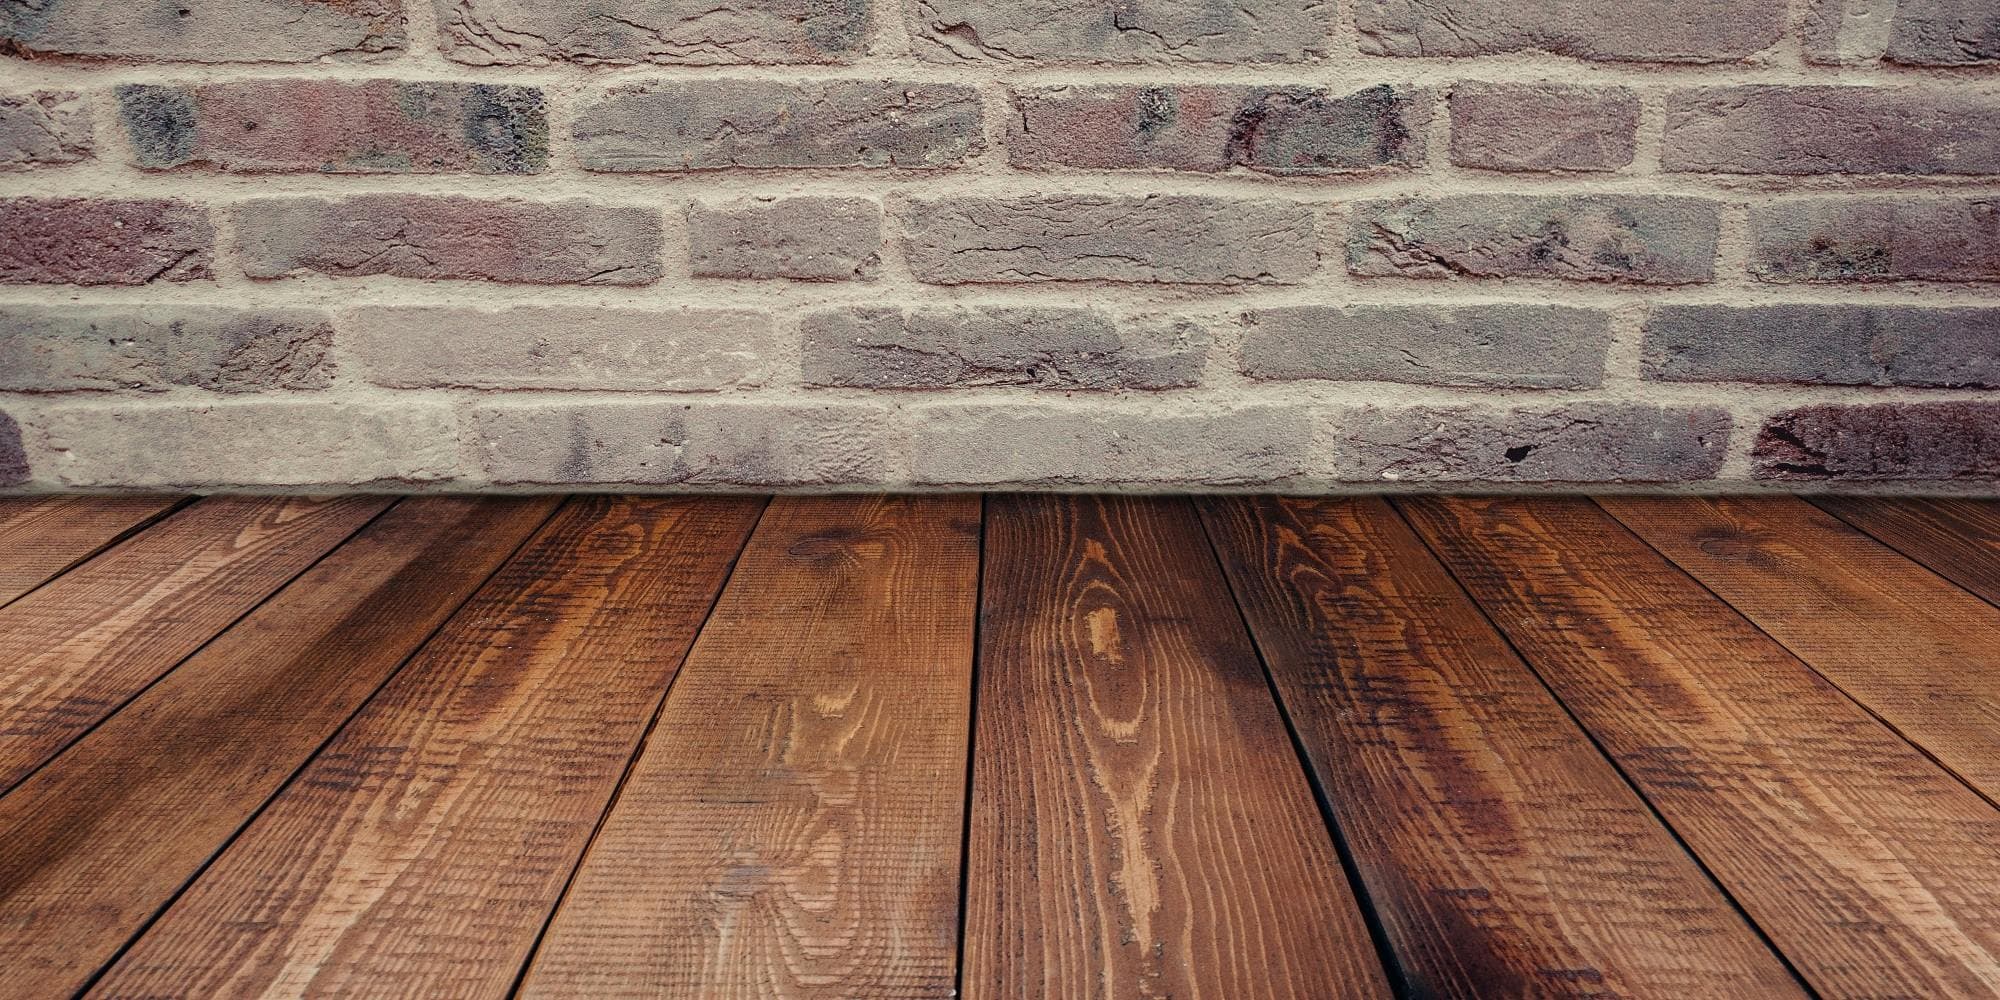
(793, 826)
(73, 651)
(93, 845)
(1141, 826)
(1503, 854)
(421, 853)
(41, 537)
(1869, 866)
(1957, 539)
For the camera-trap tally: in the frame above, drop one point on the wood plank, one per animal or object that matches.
(793, 826)
(1911, 646)
(93, 845)
(44, 536)
(75, 650)
(421, 853)
(1958, 539)
(1869, 866)
(1503, 854)
(1141, 825)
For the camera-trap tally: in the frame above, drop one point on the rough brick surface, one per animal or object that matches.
(84, 241)
(372, 127)
(1156, 239)
(688, 32)
(62, 348)
(693, 444)
(1686, 31)
(13, 457)
(1824, 130)
(1581, 443)
(1635, 239)
(807, 239)
(1046, 348)
(1877, 239)
(1825, 345)
(1051, 444)
(44, 128)
(1497, 345)
(1923, 442)
(716, 124)
(1285, 131)
(1121, 31)
(560, 347)
(1512, 126)
(414, 236)
(1911, 32)
(203, 30)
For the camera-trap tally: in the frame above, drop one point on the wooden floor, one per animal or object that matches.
(1031, 747)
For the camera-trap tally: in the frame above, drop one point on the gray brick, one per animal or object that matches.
(1634, 239)
(1910, 32)
(686, 32)
(1048, 348)
(44, 128)
(561, 347)
(1919, 442)
(1872, 239)
(808, 239)
(1038, 444)
(1525, 127)
(64, 348)
(207, 31)
(13, 457)
(722, 444)
(1496, 345)
(1674, 31)
(1580, 443)
(1121, 31)
(1825, 345)
(1767, 129)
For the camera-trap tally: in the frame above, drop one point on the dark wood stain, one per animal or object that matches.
(42, 537)
(1957, 539)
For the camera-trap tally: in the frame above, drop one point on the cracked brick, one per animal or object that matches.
(1632, 239)
(1825, 345)
(1876, 239)
(1766, 129)
(721, 124)
(88, 241)
(1493, 345)
(1527, 127)
(805, 239)
(44, 128)
(561, 347)
(1121, 31)
(1915, 442)
(685, 32)
(1669, 31)
(221, 349)
(1579, 443)
(209, 31)
(1037, 347)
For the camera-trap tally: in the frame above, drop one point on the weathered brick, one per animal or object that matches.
(1054, 444)
(1765, 129)
(1041, 347)
(1921, 442)
(719, 124)
(1285, 131)
(1121, 31)
(560, 347)
(808, 239)
(249, 443)
(44, 128)
(1682, 31)
(725, 444)
(61, 348)
(1825, 345)
(333, 126)
(13, 457)
(1517, 126)
(91, 241)
(1076, 237)
(1579, 443)
(1637, 239)
(204, 31)
(1910, 32)
(1511, 346)
(418, 236)
(686, 32)
(1877, 239)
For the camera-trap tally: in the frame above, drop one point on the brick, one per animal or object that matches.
(1877, 239)
(13, 457)
(1910, 32)
(1579, 443)
(1632, 239)
(684, 32)
(44, 128)
(1039, 347)
(732, 444)
(1054, 444)
(1920, 442)
(63, 348)
(560, 347)
(1830, 130)
(1074, 237)
(807, 239)
(1673, 31)
(1283, 131)
(331, 126)
(1494, 345)
(419, 236)
(1526, 127)
(207, 31)
(249, 443)
(89, 241)
(1121, 31)
(721, 124)
(1825, 345)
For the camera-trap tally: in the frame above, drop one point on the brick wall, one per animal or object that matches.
(1148, 243)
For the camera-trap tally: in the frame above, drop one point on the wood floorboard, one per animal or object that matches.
(44, 536)
(1957, 539)
(94, 844)
(1502, 853)
(793, 826)
(421, 853)
(1868, 865)
(1140, 825)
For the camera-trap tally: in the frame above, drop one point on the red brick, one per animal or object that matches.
(1512, 126)
(1767, 129)
(1877, 239)
(84, 241)
(1922, 442)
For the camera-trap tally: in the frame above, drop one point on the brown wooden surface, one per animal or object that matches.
(1870, 867)
(1140, 824)
(96, 843)
(74, 650)
(40, 537)
(421, 853)
(1959, 539)
(1503, 854)
(793, 826)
